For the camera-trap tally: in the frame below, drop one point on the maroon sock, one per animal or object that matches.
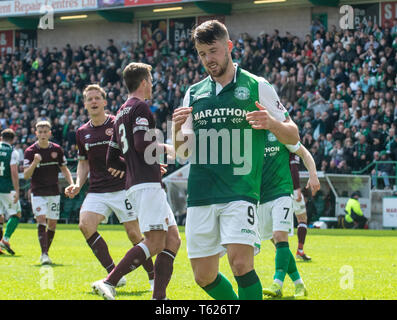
(1, 231)
(163, 268)
(148, 266)
(302, 230)
(132, 260)
(50, 237)
(42, 233)
(101, 251)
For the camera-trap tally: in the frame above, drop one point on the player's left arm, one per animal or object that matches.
(308, 161)
(272, 115)
(114, 162)
(14, 174)
(64, 169)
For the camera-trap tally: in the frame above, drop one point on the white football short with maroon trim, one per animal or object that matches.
(46, 205)
(149, 201)
(108, 202)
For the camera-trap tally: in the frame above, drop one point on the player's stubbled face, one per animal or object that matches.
(94, 102)
(43, 134)
(214, 57)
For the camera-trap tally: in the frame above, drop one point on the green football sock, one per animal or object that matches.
(292, 269)
(221, 289)
(11, 226)
(249, 286)
(282, 261)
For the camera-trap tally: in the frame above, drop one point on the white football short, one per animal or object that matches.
(275, 215)
(108, 202)
(46, 205)
(7, 205)
(149, 201)
(299, 206)
(209, 228)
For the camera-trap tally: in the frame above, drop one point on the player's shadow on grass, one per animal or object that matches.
(9, 256)
(126, 293)
(283, 298)
(54, 265)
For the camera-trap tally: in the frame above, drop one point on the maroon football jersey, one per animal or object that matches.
(133, 117)
(45, 177)
(294, 167)
(92, 143)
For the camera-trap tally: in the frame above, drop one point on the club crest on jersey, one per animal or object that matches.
(109, 132)
(54, 155)
(242, 93)
(142, 121)
(38, 209)
(271, 137)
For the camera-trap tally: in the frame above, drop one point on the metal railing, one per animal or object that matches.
(376, 164)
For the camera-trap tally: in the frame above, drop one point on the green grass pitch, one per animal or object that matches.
(347, 265)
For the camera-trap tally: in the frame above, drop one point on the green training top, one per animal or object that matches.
(7, 157)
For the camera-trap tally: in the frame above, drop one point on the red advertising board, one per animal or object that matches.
(388, 12)
(6, 41)
(129, 3)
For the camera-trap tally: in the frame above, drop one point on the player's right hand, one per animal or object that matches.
(37, 158)
(72, 190)
(180, 115)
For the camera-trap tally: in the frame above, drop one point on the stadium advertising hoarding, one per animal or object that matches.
(153, 32)
(26, 38)
(32, 7)
(130, 3)
(388, 12)
(366, 12)
(6, 42)
(390, 212)
(180, 29)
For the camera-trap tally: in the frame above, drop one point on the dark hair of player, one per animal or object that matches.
(8, 135)
(209, 31)
(134, 74)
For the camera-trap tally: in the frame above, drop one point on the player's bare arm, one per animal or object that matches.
(114, 162)
(286, 132)
(83, 169)
(28, 172)
(67, 174)
(313, 182)
(15, 181)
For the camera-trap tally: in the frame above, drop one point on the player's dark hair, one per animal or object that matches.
(8, 135)
(209, 31)
(135, 73)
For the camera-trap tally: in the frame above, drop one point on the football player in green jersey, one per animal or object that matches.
(275, 211)
(223, 188)
(9, 188)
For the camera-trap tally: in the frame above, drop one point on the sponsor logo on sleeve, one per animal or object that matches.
(142, 121)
